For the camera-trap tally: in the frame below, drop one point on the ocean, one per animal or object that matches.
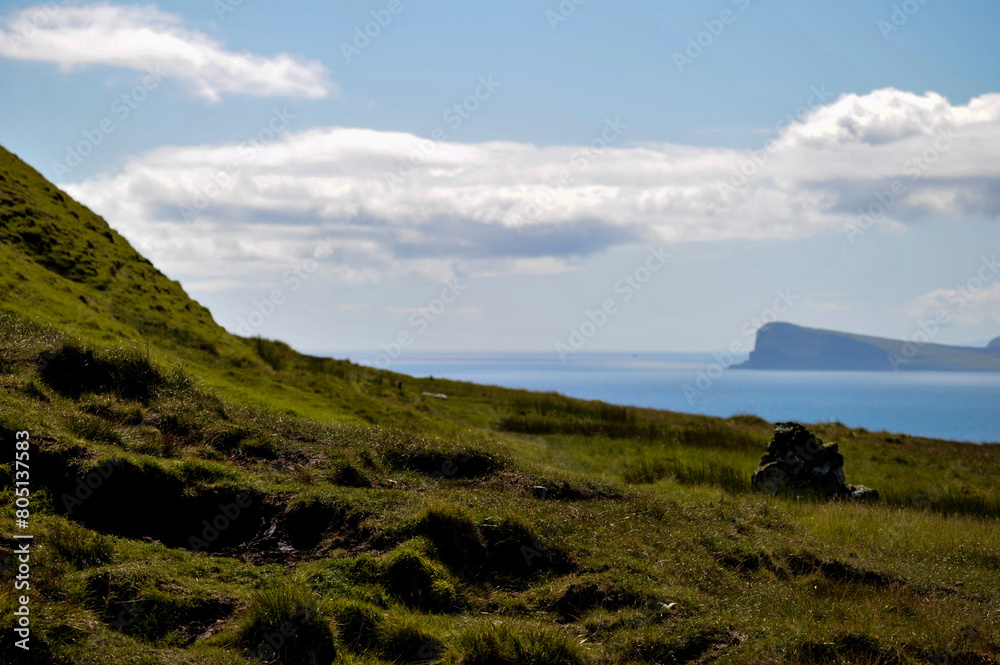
(963, 406)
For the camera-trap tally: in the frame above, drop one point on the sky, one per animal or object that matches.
(379, 178)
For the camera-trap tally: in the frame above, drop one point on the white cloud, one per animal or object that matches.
(213, 285)
(825, 305)
(141, 36)
(419, 310)
(487, 203)
(967, 307)
(886, 116)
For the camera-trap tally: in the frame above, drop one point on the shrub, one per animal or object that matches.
(283, 624)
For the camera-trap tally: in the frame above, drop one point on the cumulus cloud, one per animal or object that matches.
(886, 116)
(963, 306)
(396, 202)
(140, 37)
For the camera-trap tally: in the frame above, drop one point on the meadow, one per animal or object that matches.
(198, 497)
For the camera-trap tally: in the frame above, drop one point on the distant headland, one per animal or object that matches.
(790, 347)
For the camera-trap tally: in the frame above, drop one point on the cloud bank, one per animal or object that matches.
(395, 202)
(139, 37)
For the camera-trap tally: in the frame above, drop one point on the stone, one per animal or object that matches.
(799, 463)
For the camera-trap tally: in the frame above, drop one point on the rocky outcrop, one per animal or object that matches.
(797, 462)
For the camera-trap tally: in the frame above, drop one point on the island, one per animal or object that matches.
(787, 346)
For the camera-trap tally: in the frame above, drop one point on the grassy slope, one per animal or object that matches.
(405, 524)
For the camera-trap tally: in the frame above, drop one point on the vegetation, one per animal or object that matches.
(199, 497)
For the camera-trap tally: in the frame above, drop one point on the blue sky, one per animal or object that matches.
(363, 164)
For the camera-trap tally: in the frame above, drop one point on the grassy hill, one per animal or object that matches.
(197, 497)
(786, 346)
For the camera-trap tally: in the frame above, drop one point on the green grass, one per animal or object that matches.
(284, 624)
(193, 491)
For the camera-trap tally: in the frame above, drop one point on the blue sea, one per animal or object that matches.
(963, 406)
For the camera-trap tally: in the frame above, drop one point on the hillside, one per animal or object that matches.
(790, 347)
(201, 498)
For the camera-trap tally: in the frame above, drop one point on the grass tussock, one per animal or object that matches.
(284, 624)
(78, 546)
(436, 458)
(365, 629)
(510, 642)
(74, 370)
(501, 550)
(415, 579)
(683, 642)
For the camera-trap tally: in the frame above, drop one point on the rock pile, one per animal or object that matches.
(798, 462)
